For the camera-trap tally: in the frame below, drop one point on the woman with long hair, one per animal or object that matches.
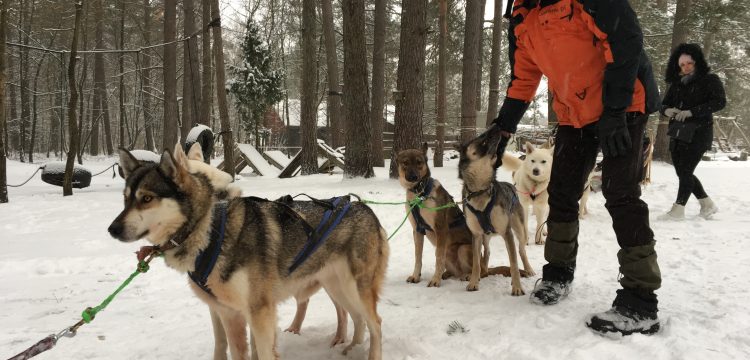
(694, 94)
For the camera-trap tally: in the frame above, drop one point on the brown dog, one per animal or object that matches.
(446, 229)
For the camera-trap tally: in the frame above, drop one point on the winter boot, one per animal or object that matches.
(677, 213)
(633, 311)
(708, 208)
(554, 285)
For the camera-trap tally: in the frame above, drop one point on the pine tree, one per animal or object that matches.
(255, 84)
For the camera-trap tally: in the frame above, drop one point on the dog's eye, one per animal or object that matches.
(544, 161)
(533, 161)
(147, 198)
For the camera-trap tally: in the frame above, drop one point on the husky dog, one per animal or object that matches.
(493, 207)
(176, 211)
(222, 184)
(531, 178)
(445, 229)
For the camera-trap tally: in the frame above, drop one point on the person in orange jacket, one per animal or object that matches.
(591, 52)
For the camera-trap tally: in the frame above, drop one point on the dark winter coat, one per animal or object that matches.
(702, 95)
(591, 52)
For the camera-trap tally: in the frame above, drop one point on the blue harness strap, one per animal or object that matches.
(484, 216)
(422, 226)
(331, 219)
(206, 259)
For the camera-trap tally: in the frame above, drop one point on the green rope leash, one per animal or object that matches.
(89, 314)
(416, 202)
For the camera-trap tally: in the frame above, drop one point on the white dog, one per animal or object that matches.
(531, 178)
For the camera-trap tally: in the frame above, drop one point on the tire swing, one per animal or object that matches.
(54, 172)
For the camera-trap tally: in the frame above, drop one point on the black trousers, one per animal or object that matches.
(574, 158)
(685, 158)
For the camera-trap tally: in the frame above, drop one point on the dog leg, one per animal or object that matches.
(525, 203)
(220, 337)
(342, 322)
(235, 328)
(418, 246)
(541, 233)
(440, 244)
(263, 327)
(476, 245)
(485, 256)
(299, 316)
(515, 276)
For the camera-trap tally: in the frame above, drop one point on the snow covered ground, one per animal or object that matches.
(57, 259)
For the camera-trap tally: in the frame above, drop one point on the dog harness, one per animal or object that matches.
(206, 259)
(484, 216)
(332, 217)
(422, 225)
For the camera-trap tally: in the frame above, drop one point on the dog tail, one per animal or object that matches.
(511, 162)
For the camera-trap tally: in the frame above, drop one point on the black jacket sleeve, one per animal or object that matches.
(716, 98)
(669, 101)
(618, 21)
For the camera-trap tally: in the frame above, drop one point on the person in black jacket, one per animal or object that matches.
(604, 89)
(694, 94)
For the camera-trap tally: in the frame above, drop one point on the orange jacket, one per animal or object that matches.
(591, 53)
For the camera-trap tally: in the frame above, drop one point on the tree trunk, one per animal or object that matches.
(191, 75)
(409, 93)
(15, 139)
(99, 85)
(378, 82)
(121, 67)
(27, 16)
(3, 137)
(494, 95)
(358, 161)
(169, 136)
(480, 59)
(72, 128)
(205, 111)
(472, 29)
(221, 93)
(679, 35)
(442, 63)
(148, 121)
(333, 105)
(308, 117)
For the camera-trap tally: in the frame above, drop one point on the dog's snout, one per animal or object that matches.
(116, 229)
(412, 177)
(535, 172)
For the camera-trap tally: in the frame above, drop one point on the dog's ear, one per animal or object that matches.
(529, 148)
(195, 152)
(180, 158)
(128, 162)
(425, 147)
(167, 164)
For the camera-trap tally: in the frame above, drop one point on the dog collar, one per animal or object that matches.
(472, 194)
(423, 187)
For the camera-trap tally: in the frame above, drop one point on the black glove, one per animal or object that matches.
(614, 137)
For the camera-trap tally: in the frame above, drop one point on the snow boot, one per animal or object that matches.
(676, 213)
(708, 208)
(633, 311)
(554, 285)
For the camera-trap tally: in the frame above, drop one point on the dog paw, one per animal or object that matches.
(540, 242)
(525, 273)
(472, 287)
(447, 275)
(434, 283)
(293, 330)
(337, 340)
(413, 279)
(517, 291)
